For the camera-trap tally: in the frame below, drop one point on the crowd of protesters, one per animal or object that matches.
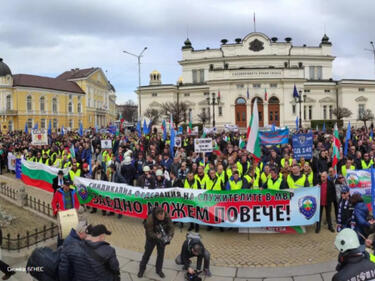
(148, 162)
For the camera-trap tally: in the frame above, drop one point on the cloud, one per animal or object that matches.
(49, 37)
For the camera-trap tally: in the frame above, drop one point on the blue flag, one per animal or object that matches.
(347, 138)
(180, 130)
(324, 126)
(371, 134)
(62, 130)
(172, 137)
(90, 166)
(26, 129)
(80, 131)
(145, 128)
(139, 130)
(149, 129)
(36, 126)
(96, 128)
(164, 125)
(295, 92)
(49, 128)
(247, 93)
(273, 129)
(372, 189)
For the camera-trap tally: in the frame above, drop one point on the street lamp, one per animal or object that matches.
(213, 101)
(139, 78)
(300, 101)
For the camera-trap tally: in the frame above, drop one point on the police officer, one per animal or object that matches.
(275, 181)
(296, 179)
(353, 261)
(345, 210)
(235, 182)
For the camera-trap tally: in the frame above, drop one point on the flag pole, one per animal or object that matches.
(255, 26)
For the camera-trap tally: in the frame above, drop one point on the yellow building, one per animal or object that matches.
(76, 96)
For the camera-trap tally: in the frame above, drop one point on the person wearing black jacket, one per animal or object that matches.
(3, 266)
(354, 262)
(58, 181)
(159, 228)
(195, 248)
(327, 197)
(345, 210)
(174, 181)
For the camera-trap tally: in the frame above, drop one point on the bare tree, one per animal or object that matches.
(203, 117)
(130, 111)
(365, 116)
(152, 114)
(341, 112)
(179, 111)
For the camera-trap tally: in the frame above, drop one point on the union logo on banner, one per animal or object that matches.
(82, 192)
(307, 206)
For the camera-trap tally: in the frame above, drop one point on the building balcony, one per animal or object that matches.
(9, 112)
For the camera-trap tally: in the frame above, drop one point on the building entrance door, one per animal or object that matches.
(240, 113)
(274, 111)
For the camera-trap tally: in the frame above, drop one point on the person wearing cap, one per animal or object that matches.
(128, 171)
(161, 181)
(91, 259)
(64, 198)
(354, 262)
(345, 210)
(147, 180)
(85, 171)
(158, 225)
(58, 181)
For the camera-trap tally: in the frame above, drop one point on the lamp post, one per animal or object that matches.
(215, 100)
(300, 101)
(139, 78)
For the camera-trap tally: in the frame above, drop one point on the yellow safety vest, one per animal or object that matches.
(366, 166)
(256, 179)
(296, 184)
(247, 178)
(344, 169)
(372, 258)
(282, 162)
(73, 174)
(201, 181)
(207, 168)
(213, 184)
(264, 178)
(221, 177)
(193, 186)
(228, 171)
(240, 168)
(274, 185)
(235, 185)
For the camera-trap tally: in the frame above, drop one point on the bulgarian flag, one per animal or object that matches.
(241, 143)
(253, 145)
(336, 147)
(39, 175)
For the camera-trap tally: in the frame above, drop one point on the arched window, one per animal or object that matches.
(55, 123)
(43, 123)
(240, 101)
(42, 100)
(30, 123)
(274, 100)
(70, 107)
(9, 102)
(79, 107)
(54, 105)
(71, 124)
(29, 102)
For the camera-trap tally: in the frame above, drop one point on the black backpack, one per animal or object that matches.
(46, 258)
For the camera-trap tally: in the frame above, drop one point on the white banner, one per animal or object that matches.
(106, 144)
(39, 137)
(203, 145)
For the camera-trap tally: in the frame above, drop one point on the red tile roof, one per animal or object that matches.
(35, 81)
(77, 73)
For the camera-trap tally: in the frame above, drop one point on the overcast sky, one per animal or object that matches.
(48, 37)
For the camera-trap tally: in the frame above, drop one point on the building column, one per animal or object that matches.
(265, 113)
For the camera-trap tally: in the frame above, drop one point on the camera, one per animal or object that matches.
(165, 239)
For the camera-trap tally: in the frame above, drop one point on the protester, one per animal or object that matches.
(58, 181)
(345, 211)
(159, 232)
(327, 198)
(361, 217)
(91, 259)
(64, 198)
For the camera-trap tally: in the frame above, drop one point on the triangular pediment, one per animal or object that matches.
(155, 104)
(361, 99)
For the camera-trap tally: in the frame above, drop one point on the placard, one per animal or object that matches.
(39, 137)
(177, 142)
(203, 145)
(106, 144)
(302, 146)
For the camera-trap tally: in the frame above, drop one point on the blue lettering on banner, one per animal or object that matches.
(302, 145)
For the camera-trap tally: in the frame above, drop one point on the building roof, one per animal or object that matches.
(41, 82)
(77, 73)
(4, 68)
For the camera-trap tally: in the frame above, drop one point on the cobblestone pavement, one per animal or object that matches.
(227, 248)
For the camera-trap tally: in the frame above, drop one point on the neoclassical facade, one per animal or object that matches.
(266, 69)
(74, 97)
